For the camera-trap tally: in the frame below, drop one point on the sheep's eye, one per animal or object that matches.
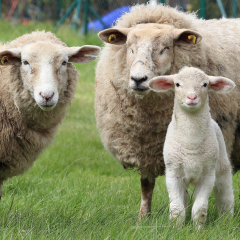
(177, 85)
(131, 51)
(25, 62)
(205, 84)
(64, 63)
(164, 49)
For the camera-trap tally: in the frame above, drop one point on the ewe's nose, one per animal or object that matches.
(192, 97)
(46, 97)
(139, 80)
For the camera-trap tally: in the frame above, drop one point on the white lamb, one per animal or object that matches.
(194, 149)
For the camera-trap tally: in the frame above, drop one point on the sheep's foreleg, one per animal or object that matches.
(202, 193)
(147, 187)
(178, 198)
(223, 192)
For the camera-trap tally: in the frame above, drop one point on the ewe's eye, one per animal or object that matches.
(205, 84)
(161, 52)
(177, 85)
(25, 62)
(64, 63)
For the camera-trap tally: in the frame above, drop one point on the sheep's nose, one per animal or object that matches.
(46, 97)
(139, 80)
(192, 97)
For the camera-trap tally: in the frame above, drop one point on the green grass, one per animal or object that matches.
(76, 190)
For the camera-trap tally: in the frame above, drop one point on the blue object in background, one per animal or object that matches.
(109, 19)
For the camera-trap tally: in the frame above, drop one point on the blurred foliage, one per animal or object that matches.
(212, 9)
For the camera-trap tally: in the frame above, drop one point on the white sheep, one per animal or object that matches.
(37, 84)
(194, 150)
(152, 41)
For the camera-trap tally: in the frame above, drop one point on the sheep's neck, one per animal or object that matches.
(191, 127)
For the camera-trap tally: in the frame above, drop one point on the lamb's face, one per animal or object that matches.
(44, 69)
(191, 89)
(191, 86)
(150, 50)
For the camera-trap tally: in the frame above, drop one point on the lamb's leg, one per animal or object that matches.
(147, 187)
(177, 197)
(202, 193)
(223, 192)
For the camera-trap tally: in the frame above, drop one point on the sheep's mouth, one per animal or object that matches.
(47, 107)
(191, 104)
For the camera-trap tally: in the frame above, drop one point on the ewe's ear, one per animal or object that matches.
(10, 56)
(185, 36)
(221, 84)
(161, 83)
(116, 36)
(84, 54)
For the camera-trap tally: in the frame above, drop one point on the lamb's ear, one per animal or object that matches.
(114, 35)
(10, 56)
(185, 36)
(221, 84)
(84, 54)
(161, 83)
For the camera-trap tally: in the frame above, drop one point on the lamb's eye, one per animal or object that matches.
(64, 63)
(177, 85)
(25, 62)
(131, 51)
(205, 84)
(161, 52)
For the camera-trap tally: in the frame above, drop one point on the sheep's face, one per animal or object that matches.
(44, 68)
(150, 50)
(191, 86)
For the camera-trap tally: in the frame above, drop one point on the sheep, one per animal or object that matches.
(37, 84)
(152, 41)
(194, 150)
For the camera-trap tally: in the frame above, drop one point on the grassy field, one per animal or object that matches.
(76, 190)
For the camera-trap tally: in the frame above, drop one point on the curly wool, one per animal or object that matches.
(133, 127)
(26, 130)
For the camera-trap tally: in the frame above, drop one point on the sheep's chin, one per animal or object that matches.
(141, 92)
(46, 109)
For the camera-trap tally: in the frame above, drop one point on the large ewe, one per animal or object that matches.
(152, 41)
(194, 150)
(37, 84)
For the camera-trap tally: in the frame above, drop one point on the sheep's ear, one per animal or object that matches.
(84, 54)
(161, 83)
(221, 84)
(116, 36)
(185, 36)
(10, 56)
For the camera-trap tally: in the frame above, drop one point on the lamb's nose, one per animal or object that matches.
(46, 97)
(192, 97)
(139, 80)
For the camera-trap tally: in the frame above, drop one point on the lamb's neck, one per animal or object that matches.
(191, 127)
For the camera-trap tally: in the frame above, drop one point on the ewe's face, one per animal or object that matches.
(149, 54)
(44, 68)
(44, 73)
(150, 50)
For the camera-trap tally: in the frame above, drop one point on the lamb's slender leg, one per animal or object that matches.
(147, 187)
(202, 193)
(177, 197)
(223, 192)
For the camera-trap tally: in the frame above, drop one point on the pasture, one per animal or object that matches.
(76, 190)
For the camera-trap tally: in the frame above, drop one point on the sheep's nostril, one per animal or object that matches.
(192, 97)
(139, 80)
(46, 97)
